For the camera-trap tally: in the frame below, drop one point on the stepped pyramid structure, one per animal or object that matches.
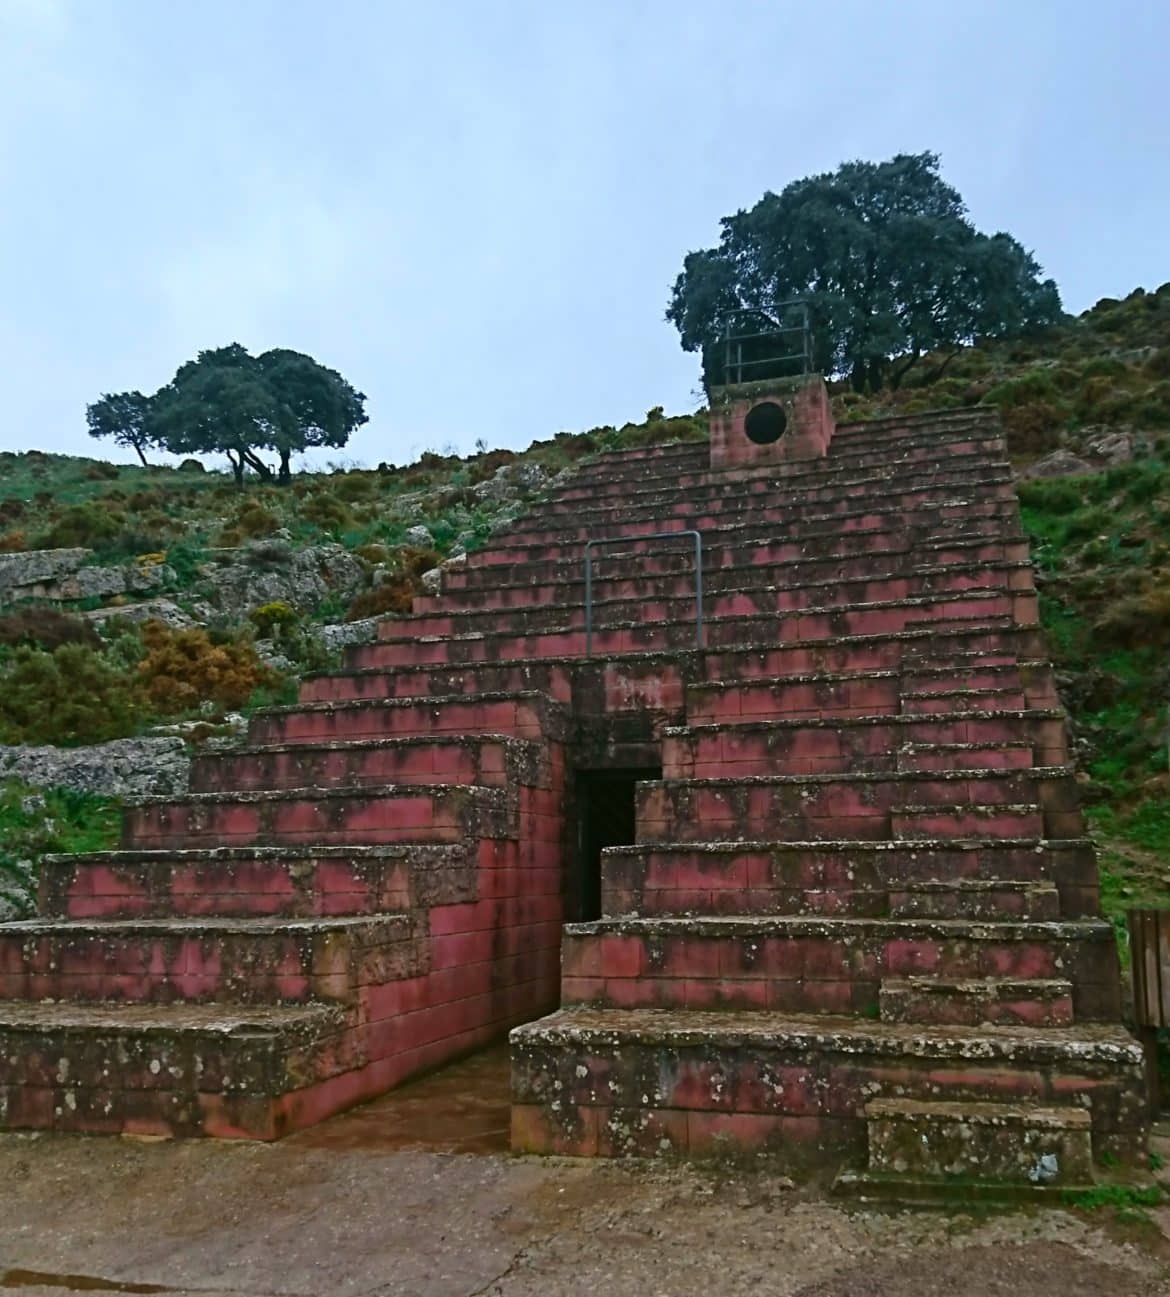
(827, 889)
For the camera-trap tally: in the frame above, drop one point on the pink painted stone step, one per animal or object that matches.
(485, 759)
(674, 600)
(834, 559)
(1006, 754)
(1006, 820)
(529, 715)
(266, 882)
(864, 744)
(829, 877)
(961, 804)
(794, 1087)
(821, 964)
(210, 959)
(974, 898)
(163, 1069)
(1038, 1002)
(328, 816)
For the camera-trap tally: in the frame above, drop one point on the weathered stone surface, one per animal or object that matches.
(164, 610)
(1061, 463)
(62, 574)
(1111, 447)
(336, 635)
(267, 573)
(511, 481)
(432, 580)
(982, 1141)
(121, 768)
(105, 582)
(419, 535)
(31, 573)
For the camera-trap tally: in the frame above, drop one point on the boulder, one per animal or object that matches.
(120, 768)
(420, 536)
(267, 572)
(1111, 448)
(336, 636)
(511, 481)
(105, 582)
(35, 572)
(1061, 463)
(170, 614)
(432, 580)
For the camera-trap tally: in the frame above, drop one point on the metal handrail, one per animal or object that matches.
(733, 360)
(625, 540)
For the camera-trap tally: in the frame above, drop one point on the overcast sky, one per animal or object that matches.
(475, 210)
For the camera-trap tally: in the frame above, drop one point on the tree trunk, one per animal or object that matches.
(899, 374)
(141, 456)
(253, 461)
(936, 374)
(237, 469)
(284, 476)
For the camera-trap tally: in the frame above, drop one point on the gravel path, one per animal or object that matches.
(94, 1215)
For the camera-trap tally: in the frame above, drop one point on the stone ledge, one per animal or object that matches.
(1102, 1043)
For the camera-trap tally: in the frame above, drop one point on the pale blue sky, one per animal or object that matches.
(475, 209)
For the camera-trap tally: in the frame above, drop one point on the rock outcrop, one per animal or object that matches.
(121, 768)
(272, 571)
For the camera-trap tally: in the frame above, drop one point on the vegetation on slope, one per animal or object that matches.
(35, 823)
(61, 681)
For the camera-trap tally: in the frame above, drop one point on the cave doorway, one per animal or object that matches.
(606, 818)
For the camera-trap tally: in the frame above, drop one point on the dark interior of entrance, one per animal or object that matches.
(605, 802)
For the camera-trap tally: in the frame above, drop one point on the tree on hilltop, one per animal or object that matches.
(122, 417)
(214, 404)
(887, 260)
(230, 402)
(318, 407)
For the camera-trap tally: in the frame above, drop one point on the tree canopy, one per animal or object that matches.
(121, 416)
(230, 402)
(887, 260)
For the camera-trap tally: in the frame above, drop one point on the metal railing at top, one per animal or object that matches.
(628, 540)
(778, 339)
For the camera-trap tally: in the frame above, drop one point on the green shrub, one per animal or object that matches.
(1033, 428)
(275, 617)
(326, 511)
(352, 487)
(255, 520)
(1153, 408)
(1142, 618)
(373, 553)
(1086, 523)
(90, 525)
(71, 695)
(1057, 495)
(1104, 367)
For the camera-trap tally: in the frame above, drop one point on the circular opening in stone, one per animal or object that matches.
(765, 423)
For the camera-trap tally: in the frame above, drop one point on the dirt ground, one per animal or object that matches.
(414, 1196)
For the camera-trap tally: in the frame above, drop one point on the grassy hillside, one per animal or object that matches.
(1101, 545)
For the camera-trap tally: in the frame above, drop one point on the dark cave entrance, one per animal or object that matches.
(605, 818)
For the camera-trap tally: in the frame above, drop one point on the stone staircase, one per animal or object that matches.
(859, 926)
